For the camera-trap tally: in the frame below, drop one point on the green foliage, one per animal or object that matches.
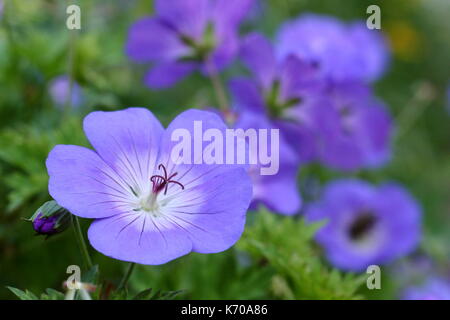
(147, 294)
(227, 275)
(49, 294)
(286, 245)
(23, 152)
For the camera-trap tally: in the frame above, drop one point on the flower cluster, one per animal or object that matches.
(313, 83)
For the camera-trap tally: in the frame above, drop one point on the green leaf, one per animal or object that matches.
(51, 294)
(91, 276)
(23, 295)
(144, 294)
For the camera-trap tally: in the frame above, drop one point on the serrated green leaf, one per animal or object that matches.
(23, 295)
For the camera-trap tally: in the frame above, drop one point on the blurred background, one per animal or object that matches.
(38, 55)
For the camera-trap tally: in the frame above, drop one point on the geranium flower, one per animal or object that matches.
(355, 132)
(340, 51)
(286, 91)
(365, 225)
(432, 289)
(186, 35)
(147, 208)
(60, 91)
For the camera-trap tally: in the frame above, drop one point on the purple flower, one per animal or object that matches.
(365, 225)
(433, 289)
(341, 51)
(50, 219)
(186, 35)
(356, 131)
(45, 226)
(286, 91)
(148, 209)
(60, 92)
(277, 192)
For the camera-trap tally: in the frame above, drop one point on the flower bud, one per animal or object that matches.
(50, 219)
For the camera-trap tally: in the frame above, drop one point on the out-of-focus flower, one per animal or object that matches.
(413, 269)
(341, 51)
(356, 131)
(50, 219)
(365, 225)
(186, 35)
(60, 92)
(405, 39)
(149, 209)
(433, 289)
(278, 192)
(286, 91)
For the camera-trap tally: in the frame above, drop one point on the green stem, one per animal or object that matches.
(81, 242)
(421, 99)
(126, 276)
(218, 86)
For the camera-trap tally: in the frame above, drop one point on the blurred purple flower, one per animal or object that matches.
(186, 35)
(365, 225)
(433, 289)
(60, 92)
(148, 209)
(278, 192)
(356, 131)
(341, 51)
(286, 91)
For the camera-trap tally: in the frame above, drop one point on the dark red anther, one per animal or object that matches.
(162, 182)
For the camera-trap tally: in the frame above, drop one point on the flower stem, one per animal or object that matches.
(81, 242)
(217, 85)
(421, 99)
(126, 276)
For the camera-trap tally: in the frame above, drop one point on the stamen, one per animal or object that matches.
(162, 182)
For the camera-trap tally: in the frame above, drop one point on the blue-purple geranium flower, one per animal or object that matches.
(286, 91)
(365, 224)
(186, 35)
(62, 94)
(356, 129)
(340, 51)
(432, 289)
(148, 209)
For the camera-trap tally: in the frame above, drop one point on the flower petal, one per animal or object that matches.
(139, 238)
(84, 184)
(257, 54)
(212, 211)
(279, 192)
(228, 14)
(195, 123)
(167, 74)
(247, 96)
(187, 17)
(149, 39)
(128, 141)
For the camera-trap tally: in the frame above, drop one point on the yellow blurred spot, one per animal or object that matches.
(404, 39)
